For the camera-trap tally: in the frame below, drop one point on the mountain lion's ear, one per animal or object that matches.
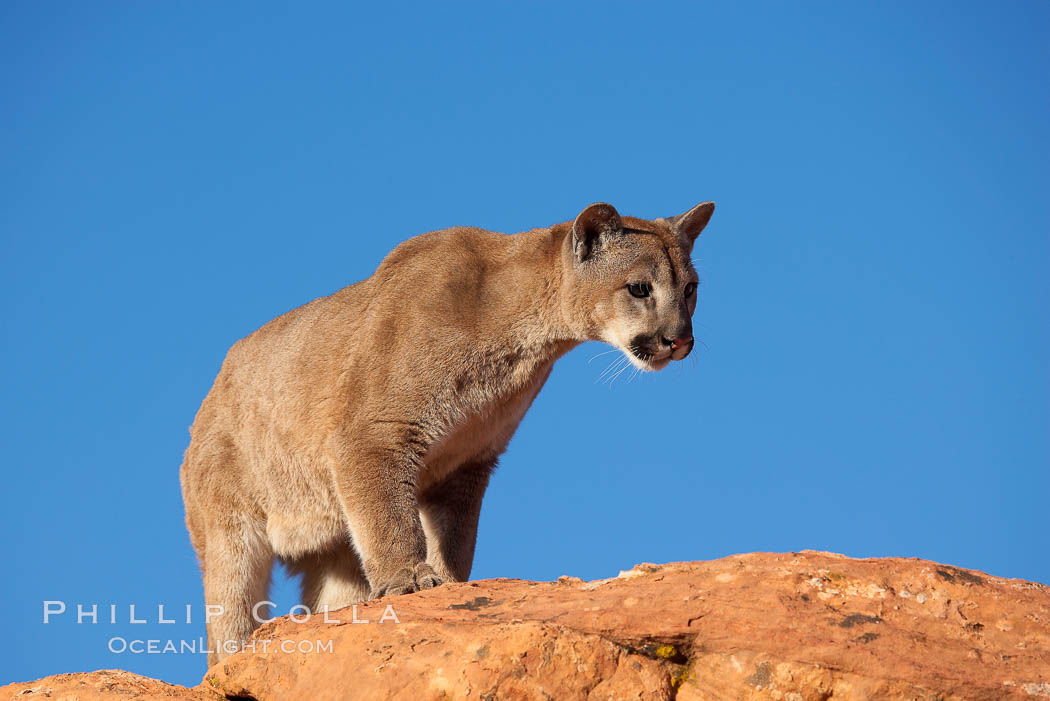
(592, 227)
(690, 224)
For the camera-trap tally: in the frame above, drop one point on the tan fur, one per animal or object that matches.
(353, 437)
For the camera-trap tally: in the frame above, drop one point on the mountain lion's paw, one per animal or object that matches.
(426, 577)
(401, 583)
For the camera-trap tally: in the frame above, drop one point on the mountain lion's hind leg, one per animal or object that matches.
(237, 565)
(332, 579)
(450, 511)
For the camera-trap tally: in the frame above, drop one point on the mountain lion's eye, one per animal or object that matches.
(690, 289)
(639, 289)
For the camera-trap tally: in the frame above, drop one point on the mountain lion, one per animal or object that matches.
(353, 437)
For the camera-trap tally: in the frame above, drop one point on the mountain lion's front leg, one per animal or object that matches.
(450, 511)
(377, 486)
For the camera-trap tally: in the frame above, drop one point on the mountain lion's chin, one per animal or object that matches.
(659, 364)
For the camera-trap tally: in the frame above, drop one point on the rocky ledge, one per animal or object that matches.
(796, 626)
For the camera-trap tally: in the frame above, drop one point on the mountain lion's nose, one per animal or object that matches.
(681, 342)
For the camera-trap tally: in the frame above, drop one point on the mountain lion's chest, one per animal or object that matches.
(484, 433)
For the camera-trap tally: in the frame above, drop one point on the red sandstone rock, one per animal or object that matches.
(796, 627)
(104, 684)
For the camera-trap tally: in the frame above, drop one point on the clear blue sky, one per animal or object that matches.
(874, 379)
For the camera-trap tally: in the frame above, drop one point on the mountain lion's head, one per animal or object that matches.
(633, 283)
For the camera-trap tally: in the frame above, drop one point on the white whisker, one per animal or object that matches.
(626, 365)
(611, 369)
(605, 371)
(613, 350)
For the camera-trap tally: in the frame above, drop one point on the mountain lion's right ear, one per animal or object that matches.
(592, 227)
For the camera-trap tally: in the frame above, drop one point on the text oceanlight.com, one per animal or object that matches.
(113, 614)
(136, 646)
